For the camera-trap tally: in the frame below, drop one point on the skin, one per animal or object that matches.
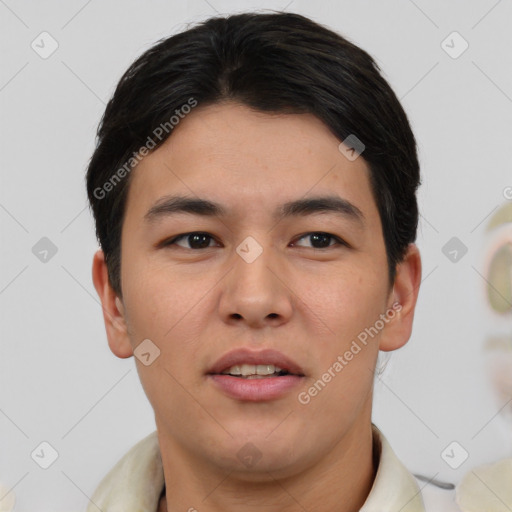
(308, 302)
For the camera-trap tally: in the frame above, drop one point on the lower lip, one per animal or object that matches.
(255, 390)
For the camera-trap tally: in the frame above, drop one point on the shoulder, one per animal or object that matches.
(437, 496)
(7, 499)
(134, 482)
(487, 487)
(395, 488)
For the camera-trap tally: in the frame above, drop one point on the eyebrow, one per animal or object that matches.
(170, 205)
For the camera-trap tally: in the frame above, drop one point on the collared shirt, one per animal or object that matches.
(136, 483)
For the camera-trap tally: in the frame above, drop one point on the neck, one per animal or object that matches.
(339, 481)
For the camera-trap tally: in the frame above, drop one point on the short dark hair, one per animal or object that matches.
(272, 62)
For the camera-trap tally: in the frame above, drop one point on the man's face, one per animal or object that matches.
(254, 281)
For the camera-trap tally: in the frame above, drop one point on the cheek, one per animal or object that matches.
(349, 303)
(159, 297)
(340, 304)
(172, 307)
(346, 354)
(162, 307)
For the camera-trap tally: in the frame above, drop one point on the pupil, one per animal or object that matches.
(197, 237)
(317, 236)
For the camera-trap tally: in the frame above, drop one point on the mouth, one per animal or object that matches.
(255, 371)
(255, 376)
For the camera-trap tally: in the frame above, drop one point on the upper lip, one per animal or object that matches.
(246, 356)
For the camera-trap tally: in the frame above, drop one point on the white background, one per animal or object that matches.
(60, 383)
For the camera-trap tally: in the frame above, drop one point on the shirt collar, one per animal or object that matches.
(137, 480)
(394, 488)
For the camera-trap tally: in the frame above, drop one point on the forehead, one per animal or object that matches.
(249, 161)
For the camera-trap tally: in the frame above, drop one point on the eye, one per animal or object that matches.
(196, 240)
(320, 240)
(200, 240)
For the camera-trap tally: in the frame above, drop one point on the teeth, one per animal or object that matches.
(246, 370)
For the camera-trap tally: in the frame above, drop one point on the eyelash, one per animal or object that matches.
(177, 238)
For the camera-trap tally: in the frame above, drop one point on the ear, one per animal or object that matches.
(113, 309)
(402, 300)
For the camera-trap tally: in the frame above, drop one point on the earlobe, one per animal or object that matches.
(403, 301)
(113, 309)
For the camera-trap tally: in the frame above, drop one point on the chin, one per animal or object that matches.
(251, 455)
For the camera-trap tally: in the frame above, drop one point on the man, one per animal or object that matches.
(253, 189)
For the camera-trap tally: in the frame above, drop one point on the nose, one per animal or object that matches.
(256, 292)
